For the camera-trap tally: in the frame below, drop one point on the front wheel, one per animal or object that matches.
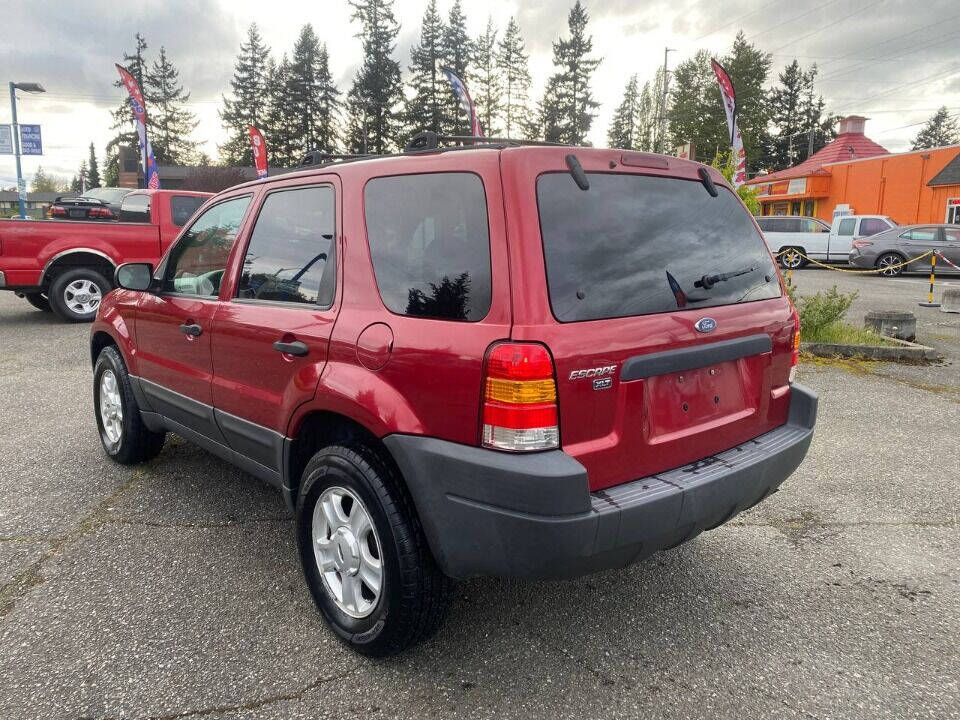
(364, 555)
(890, 264)
(123, 434)
(75, 294)
(791, 259)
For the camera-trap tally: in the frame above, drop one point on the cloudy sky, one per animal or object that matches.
(894, 61)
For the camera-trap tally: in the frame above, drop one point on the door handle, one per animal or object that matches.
(191, 329)
(291, 348)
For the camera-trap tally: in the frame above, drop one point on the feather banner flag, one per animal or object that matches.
(463, 95)
(259, 147)
(736, 141)
(140, 117)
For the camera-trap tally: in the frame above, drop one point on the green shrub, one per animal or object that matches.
(823, 309)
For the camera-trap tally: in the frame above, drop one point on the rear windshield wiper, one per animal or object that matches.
(708, 281)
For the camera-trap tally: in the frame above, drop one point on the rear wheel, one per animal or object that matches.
(791, 258)
(39, 301)
(123, 434)
(76, 294)
(364, 555)
(890, 264)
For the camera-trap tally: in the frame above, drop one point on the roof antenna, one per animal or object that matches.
(707, 181)
(576, 171)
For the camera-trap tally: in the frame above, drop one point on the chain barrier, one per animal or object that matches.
(944, 259)
(897, 266)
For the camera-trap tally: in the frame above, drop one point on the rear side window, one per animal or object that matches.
(430, 244)
(290, 257)
(872, 226)
(135, 208)
(846, 226)
(637, 245)
(182, 208)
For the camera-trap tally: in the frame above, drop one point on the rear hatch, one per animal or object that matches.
(659, 302)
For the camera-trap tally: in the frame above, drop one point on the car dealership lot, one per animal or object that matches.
(172, 589)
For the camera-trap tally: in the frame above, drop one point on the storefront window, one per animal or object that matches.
(808, 208)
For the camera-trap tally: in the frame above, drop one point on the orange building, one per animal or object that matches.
(855, 175)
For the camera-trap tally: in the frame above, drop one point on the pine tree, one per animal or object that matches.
(551, 122)
(488, 83)
(786, 116)
(426, 108)
(172, 122)
(312, 99)
(457, 49)
(625, 126)
(512, 64)
(123, 122)
(647, 113)
(941, 129)
(820, 128)
(570, 104)
(283, 146)
(375, 121)
(79, 181)
(749, 69)
(92, 169)
(695, 109)
(249, 105)
(42, 182)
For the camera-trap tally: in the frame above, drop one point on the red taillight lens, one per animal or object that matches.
(58, 211)
(103, 213)
(862, 243)
(520, 399)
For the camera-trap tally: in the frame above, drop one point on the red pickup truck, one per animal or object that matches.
(68, 267)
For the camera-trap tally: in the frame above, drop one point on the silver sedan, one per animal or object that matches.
(888, 251)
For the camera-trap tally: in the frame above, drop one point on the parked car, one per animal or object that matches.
(888, 251)
(434, 401)
(69, 267)
(815, 239)
(94, 204)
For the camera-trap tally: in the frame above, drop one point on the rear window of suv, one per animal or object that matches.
(639, 245)
(430, 244)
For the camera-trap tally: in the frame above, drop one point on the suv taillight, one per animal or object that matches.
(795, 354)
(56, 211)
(520, 399)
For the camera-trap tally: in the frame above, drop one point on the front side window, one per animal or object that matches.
(846, 226)
(290, 257)
(952, 234)
(135, 208)
(921, 235)
(198, 260)
(430, 244)
(638, 245)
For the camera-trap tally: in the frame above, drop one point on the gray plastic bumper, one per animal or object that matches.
(491, 513)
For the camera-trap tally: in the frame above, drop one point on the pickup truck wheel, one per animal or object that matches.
(75, 294)
(39, 301)
(790, 258)
(124, 436)
(364, 555)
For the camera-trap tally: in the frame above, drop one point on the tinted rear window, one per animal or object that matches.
(430, 244)
(635, 245)
(182, 208)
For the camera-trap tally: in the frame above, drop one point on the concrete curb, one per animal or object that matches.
(901, 351)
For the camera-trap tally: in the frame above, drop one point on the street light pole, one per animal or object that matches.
(21, 185)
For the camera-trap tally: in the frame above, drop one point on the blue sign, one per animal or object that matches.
(30, 143)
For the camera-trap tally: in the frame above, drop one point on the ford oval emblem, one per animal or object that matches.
(706, 325)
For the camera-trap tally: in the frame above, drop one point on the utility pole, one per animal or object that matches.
(21, 185)
(662, 119)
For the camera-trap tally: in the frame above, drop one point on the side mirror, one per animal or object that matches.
(134, 276)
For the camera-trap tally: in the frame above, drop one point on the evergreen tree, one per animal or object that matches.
(79, 182)
(512, 64)
(647, 113)
(283, 147)
(123, 123)
(377, 94)
(749, 69)
(42, 182)
(172, 122)
(820, 128)
(249, 105)
(551, 123)
(91, 170)
(569, 105)
(488, 83)
(941, 129)
(312, 99)
(796, 113)
(457, 49)
(624, 128)
(426, 108)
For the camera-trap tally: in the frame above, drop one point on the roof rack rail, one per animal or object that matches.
(319, 157)
(429, 140)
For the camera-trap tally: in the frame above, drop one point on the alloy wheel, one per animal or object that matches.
(111, 407)
(889, 265)
(82, 296)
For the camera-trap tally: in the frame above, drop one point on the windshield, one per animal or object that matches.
(110, 195)
(637, 245)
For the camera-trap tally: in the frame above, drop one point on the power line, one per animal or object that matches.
(916, 83)
(922, 122)
(737, 19)
(790, 20)
(829, 25)
(895, 37)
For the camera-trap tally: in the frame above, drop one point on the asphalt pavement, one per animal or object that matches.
(172, 589)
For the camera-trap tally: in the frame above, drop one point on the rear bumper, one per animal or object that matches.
(490, 513)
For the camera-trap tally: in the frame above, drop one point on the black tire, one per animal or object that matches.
(415, 595)
(890, 259)
(136, 442)
(39, 301)
(63, 281)
(790, 260)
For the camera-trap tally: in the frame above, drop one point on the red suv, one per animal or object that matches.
(496, 360)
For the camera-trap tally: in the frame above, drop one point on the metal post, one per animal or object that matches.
(21, 186)
(933, 277)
